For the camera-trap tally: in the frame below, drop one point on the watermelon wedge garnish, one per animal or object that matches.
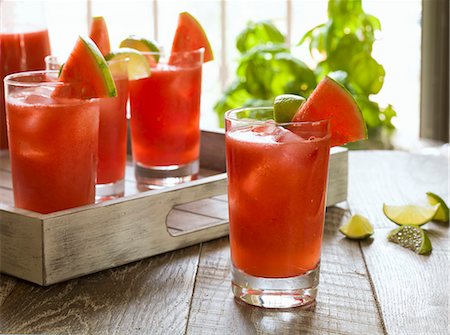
(87, 73)
(331, 101)
(99, 34)
(190, 36)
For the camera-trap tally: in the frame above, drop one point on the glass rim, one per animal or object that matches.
(163, 53)
(233, 111)
(11, 79)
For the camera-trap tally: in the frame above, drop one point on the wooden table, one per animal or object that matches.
(368, 287)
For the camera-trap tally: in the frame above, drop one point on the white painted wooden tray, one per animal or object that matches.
(50, 248)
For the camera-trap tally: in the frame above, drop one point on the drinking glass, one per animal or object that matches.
(24, 42)
(277, 178)
(165, 117)
(53, 143)
(112, 142)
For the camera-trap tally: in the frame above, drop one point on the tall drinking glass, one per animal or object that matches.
(112, 142)
(53, 143)
(24, 42)
(165, 117)
(277, 177)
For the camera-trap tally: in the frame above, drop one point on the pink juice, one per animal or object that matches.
(165, 115)
(276, 196)
(112, 142)
(53, 150)
(19, 52)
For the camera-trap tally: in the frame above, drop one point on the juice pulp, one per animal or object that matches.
(19, 52)
(112, 142)
(53, 150)
(165, 116)
(276, 195)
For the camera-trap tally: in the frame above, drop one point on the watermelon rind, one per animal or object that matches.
(103, 68)
(354, 101)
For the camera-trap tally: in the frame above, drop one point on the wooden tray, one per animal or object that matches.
(50, 248)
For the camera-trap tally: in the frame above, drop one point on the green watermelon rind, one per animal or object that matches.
(354, 102)
(207, 46)
(103, 68)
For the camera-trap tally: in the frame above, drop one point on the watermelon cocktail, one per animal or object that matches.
(53, 144)
(165, 117)
(277, 175)
(112, 141)
(22, 51)
(165, 106)
(53, 122)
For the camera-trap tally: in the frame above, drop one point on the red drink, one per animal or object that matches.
(277, 179)
(112, 142)
(165, 116)
(53, 145)
(20, 52)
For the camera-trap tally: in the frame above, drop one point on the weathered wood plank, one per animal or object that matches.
(7, 284)
(345, 303)
(147, 297)
(412, 290)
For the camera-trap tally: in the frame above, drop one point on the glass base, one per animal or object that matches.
(109, 191)
(156, 177)
(275, 292)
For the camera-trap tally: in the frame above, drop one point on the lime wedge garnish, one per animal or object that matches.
(357, 228)
(285, 106)
(442, 213)
(410, 214)
(411, 237)
(138, 66)
(141, 44)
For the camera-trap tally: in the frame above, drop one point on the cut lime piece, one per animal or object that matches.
(138, 66)
(285, 106)
(357, 228)
(442, 213)
(411, 237)
(410, 214)
(141, 44)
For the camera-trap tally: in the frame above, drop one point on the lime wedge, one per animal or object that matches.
(138, 66)
(285, 106)
(411, 237)
(410, 214)
(442, 213)
(357, 228)
(141, 44)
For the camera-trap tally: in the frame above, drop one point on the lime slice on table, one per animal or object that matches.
(411, 237)
(357, 228)
(442, 213)
(138, 66)
(141, 44)
(410, 214)
(285, 106)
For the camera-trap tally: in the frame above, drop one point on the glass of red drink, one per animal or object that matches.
(24, 42)
(165, 117)
(277, 177)
(53, 143)
(112, 141)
